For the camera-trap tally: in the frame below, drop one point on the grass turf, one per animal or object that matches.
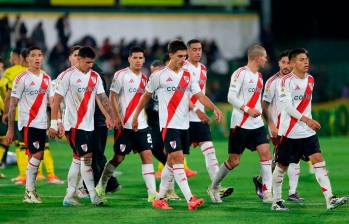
(130, 204)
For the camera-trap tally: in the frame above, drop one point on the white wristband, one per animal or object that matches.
(54, 125)
(195, 108)
(246, 108)
(59, 121)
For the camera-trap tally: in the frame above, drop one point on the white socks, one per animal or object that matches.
(293, 176)
(222, 172)
(149, 178)
(167, 181)
(106, 174)
(182, 181)
(32, 171)
(87, 176)
(73, 177)
(211, 162)
(323, 180)
(266, 175)
(278, 177)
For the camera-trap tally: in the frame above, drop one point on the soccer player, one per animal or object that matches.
(31, 92)
(174, 84)
(126, 89)
(247, 127)
(296, 133)
(271, 112)
(199, 129)
(78, 86)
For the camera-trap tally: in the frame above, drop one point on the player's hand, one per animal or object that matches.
(9, 135)
(218, 113)
(202, 116)
(4, 118)
(118, 123)
(52, 133)
(254, 112)
(273, 130)
(313, 124)
(135, 124)
(109, 123)
(61, 130)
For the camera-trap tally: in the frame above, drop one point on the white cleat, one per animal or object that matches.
(334, 202)
(267, 197)
(31, 197)
(70, 202)
(214, 195)
(82, 193)
(171, 195)
(100, 192)
(279, 206)
(97, 201)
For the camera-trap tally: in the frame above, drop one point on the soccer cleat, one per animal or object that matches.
(40, 177)
(279, 206)
(161, 204)
(82, 193)
(15, 178)
(267, 197)
(194, 203)
(151, 197)
(68, 202)
(214, 195)
(171, 195)
(20, 181)
(334, 202)
(259, 186)
(190, 173)
(54, 180)
(2, 176)
(225, 191)
(97, 201)
(295, 198)
(32, 197)
(100, 192)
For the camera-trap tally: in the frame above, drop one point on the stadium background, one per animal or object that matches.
(226, 27)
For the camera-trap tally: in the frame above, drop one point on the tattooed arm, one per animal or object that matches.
(106, 107)
(11, 118)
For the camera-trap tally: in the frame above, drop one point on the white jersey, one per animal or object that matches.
(174, 91)
(33, 92)
(245, 89)
(271, 96)
(200, 76)
(295, 94)
(130, 88)
(79, 91)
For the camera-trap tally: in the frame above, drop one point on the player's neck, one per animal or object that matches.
(252, 66)
(195, 63)
(35, 71)
(299, 74)
(173, 67)
(135, 71)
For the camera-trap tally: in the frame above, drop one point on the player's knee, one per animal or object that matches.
(233, 161)
(316, 158)
(117, 159)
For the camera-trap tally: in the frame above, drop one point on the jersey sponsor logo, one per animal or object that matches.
(173, 144)
(85, 89)
(301, 97)
(84, 147)
(175, 88)
(169, 79)
(252, 90)
(136, 90)
(36, 144)
(122, 147)
(35, 92)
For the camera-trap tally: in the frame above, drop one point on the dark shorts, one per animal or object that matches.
(158, 143)
(292, 150)
(199, 132)
(241, 138)
(80, 141)
(34, 139)
(176, 140)
(127, 140)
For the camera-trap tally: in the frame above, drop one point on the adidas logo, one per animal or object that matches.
(131, 81)
(251, 81)
(297, 87)
(78, 81)
(169, 79)
(32, 83)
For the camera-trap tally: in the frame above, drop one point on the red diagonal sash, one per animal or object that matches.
(252, 102)
(303, 104)
(202, 82)
(176, 99)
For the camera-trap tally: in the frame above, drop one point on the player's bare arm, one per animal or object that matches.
(11, 118)
(54, 130)
(106, 107)
(208, 103)
(7, 104)
(115, 108)
(142, 102)
(313, 124)
(267, 117)
(201, 114)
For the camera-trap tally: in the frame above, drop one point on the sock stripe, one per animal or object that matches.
(150, 173)
(204, 150)
(179, 168)
(226, 165)
(33, 164)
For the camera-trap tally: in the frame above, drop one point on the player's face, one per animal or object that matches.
(195, 52)
(73, 58)
(301, 63)
(178, 58)
(284, 65)
(85, 64)
(262, 59)
(35, 58)
(136, 60)
(14, 58)
(2, 67)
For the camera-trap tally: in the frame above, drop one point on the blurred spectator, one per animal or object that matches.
(63, 29)
(57, 59)
(19, 29)
(38, 36)
(2, 67)
(5, 34)
(345, 91)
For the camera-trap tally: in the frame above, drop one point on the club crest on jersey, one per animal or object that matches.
(36, 144)
(46, 81)
(84, 147)
(143, 82)
(122, 147)
(94, 80)
(173, 144)
(186, 79)
(311, 85)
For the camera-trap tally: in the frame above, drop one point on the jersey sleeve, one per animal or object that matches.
(153, 83)
(234, 89)
(116, 83)
(284, 92)
(18, 87)
(62, 84)
(269, 91)
(100, 88)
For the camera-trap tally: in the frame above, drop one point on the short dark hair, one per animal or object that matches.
(16, 51)
(87, 52)
(135, 49)
(176, 45)
(283, 54)
(74, 48)
(32, 48)
(24, 53)
(295, 52)
(193, 41)
(157, 63)
(2, 61)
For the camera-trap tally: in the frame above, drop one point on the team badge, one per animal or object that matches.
(143, 82)
(84, 147)
(311, 85)
(173, 144)
(36, 144)
(46, 81)
(186, 79)
(122, 147)
(94, 80)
